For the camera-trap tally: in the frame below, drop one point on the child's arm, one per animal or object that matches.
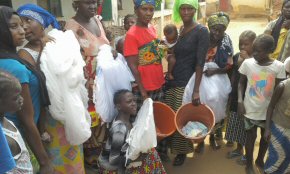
(274, 100)
(241, 93)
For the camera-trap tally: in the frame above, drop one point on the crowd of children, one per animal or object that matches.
(256, 89)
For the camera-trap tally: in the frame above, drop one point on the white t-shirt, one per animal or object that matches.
(260, 86)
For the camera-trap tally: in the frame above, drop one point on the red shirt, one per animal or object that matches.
(151, 75)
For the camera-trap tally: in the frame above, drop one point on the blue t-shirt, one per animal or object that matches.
(24, 76)
(7, 161)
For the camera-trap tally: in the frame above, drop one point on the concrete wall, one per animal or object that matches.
(17, 3)
(67, 9)
(250, 6)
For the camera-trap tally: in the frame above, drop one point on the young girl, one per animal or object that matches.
(257, 82)
(235, 128)
(12, 101)
(277, 129)
(112, 159)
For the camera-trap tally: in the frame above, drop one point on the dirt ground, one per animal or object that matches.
(215, 162)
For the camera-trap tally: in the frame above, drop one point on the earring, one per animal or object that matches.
(77, 9)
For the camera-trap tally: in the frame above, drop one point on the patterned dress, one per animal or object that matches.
(90, 44)
(65, 157)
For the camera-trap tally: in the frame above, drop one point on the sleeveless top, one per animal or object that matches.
(34, 54)
(23, 164)
(281, 113)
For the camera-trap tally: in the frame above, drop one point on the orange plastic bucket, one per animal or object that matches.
(189, 112)
(164, 120)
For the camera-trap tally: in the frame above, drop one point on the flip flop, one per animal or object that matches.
(233, 154)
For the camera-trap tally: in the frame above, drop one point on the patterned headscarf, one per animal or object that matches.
(39, 14)
(178, 3)
(221, 18)
(138, 3)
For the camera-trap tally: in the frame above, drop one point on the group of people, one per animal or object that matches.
(33, 139)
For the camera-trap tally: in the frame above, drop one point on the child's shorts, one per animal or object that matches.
(249, 123)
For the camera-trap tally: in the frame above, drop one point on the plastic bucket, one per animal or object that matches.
(189, 112)
(164, 120)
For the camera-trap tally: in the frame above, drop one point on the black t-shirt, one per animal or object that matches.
(190, 51)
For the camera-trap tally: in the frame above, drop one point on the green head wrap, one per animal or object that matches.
(178, 3)
(221, 18)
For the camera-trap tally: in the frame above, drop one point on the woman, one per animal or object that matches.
(279, 29)
(113, 158)
(142, 55)
(91, 35)
(217, 24)
(12, 35)
(66, 158)
(190, 53)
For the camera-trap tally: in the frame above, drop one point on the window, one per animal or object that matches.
(53, 6)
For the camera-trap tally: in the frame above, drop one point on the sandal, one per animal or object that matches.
(179, 159)
(233, 154)
(242, 161)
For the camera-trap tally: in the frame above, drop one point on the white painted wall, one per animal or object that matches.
(115, 12)
(67, 9)
(17, 3)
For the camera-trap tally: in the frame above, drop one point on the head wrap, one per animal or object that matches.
(39, 14)
(221, 18)
(178, 3)
(6, 41)
(138, 3)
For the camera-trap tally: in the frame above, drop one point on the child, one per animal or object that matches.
(277, 129)
(11, 101)
(257, 82)
(171, 36)
(129, 21)
(113, 157)
(235, 127)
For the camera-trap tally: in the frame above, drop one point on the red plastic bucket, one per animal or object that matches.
(189, 112)
(164, 120)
